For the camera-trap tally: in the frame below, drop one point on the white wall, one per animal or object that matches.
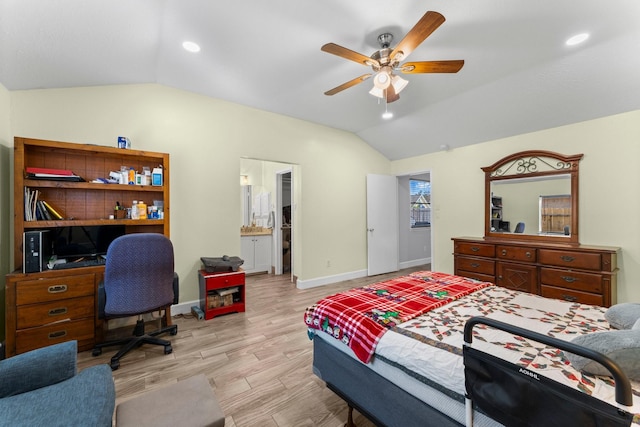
(206, 139)
(609, 182)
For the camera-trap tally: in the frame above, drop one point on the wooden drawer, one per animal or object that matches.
(587, 282)
(223, 280)
(29, 316)
(571, 295)
(477, 249)
(30, 339)
(569, 259)
(476, 276)
(516, 253)
(53, 289)
(476, 265)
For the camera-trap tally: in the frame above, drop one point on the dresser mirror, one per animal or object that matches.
(533, 195)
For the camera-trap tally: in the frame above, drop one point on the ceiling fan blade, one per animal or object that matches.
(349, 54)
(423, 28)
(391, 94)
(347, 85)
(452, 66)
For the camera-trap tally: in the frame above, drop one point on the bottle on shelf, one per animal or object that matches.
(142, 210)
(134, 210)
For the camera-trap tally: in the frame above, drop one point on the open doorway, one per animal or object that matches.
(284, 222)
(268, 205)
(415, 226)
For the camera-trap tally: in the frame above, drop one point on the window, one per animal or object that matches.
(420, 199)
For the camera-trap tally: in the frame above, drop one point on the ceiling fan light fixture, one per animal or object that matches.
(382, 80)
(377, 92)
(398, 83)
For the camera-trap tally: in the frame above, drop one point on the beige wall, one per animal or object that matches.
(609, 182)
(206, 139)
(6, 167)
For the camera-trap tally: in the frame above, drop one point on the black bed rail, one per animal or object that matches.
(622, 385)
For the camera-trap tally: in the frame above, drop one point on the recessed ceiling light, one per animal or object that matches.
(191, 46)
(577, 39)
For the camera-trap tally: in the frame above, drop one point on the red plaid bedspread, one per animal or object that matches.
(360, 316)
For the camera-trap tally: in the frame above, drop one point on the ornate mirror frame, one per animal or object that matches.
(533, 164)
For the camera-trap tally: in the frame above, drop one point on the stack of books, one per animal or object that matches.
(36, 209)
(52, 174)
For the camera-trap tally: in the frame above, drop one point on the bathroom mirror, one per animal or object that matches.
(533, 195)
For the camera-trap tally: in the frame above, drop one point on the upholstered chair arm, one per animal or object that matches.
(38, 368)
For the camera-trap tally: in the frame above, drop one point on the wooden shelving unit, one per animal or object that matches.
(31, 319)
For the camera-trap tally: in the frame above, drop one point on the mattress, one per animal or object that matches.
(427, 349)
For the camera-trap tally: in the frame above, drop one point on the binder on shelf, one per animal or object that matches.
(52, 211)
(37, 209)
(63, 172)
(52, 174)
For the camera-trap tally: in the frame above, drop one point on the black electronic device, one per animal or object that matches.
(75, 242)
(36, 250)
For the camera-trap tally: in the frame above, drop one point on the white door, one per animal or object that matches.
(382, 224)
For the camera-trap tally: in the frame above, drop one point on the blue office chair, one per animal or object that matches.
(519, 228)
(138, 279)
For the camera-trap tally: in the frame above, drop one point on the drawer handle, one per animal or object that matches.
(57, 311)
(567, 258)
(57, 334)
(528, 254)
(475, 265)
(56, 289)
(569, 298)
(569, 279)
(504, 252)
(475, 248)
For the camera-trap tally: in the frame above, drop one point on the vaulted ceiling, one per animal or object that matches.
(518, 76)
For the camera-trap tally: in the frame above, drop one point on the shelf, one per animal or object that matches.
(43, 183)
(81, 222)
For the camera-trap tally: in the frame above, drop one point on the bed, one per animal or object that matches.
(394, 349)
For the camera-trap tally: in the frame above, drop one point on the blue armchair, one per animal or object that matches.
(43, 387)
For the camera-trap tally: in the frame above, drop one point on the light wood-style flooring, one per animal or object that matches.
(258, 362)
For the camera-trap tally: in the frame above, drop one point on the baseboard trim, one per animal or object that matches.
(415, 263)
(327, 280)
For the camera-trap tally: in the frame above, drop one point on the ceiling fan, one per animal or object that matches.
(385, 61)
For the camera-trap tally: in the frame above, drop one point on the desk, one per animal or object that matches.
(52, 307)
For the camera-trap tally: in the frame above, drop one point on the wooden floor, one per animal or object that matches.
(258, 362)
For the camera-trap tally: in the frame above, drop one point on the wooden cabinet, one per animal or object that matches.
(255, 250)
(59, 305)
(581, 273)
(49, 308)
(221, 293)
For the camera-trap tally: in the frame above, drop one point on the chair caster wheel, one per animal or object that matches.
(96, 352)
(115, 364)
(168, 349)
(173, 332)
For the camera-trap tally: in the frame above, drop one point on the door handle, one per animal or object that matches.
(370, 229)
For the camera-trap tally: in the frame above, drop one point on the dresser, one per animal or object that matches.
(576, 273)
